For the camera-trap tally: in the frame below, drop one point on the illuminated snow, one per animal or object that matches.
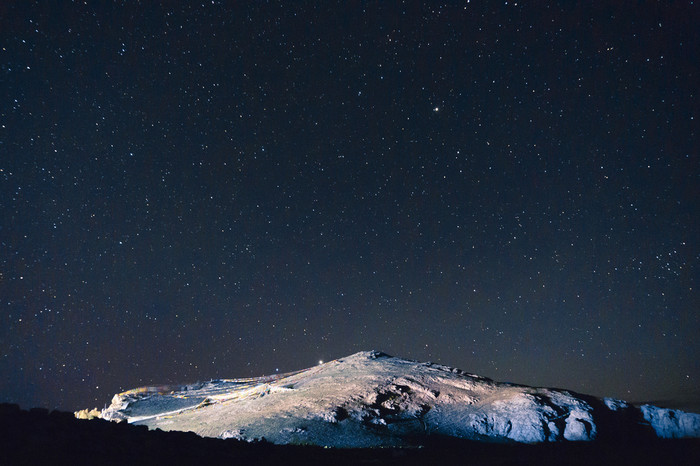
(372, 399)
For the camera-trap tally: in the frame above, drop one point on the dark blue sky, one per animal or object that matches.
(216, 190)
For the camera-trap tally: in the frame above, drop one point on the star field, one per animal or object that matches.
(217, 190)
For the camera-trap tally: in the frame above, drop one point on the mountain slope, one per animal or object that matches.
(372, 399)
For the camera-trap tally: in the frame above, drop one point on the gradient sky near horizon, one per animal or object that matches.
(229, 189)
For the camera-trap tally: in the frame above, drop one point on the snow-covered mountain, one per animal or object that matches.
(372, 399)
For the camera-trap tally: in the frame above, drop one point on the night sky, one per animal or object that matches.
(220, 190)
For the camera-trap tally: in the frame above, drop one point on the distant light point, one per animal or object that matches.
(436, 109)
(320, 361)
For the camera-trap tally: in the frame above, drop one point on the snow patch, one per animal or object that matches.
(671, 423)
(615, 405)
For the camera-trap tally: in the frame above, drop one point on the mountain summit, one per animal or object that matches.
(372, 399)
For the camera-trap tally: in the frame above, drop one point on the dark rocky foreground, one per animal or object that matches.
(38, 436)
